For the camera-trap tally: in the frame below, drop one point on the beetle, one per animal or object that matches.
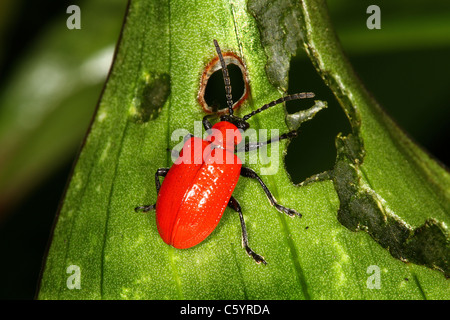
(195, 193)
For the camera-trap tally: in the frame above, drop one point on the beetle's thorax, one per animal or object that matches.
(225, 135)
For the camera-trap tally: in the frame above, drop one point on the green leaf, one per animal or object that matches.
(381, 184)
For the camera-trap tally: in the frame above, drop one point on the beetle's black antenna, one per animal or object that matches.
(226, 79)
(303, 95)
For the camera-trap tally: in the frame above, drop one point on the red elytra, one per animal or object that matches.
(193, 197)
(198, 187)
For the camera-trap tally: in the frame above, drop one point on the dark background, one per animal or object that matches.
(409, 80)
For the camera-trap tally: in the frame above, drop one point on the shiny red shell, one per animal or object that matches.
(198, 186)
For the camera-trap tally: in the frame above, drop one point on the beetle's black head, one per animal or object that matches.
(238, 122)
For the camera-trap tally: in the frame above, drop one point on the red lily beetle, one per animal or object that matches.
(197, 189)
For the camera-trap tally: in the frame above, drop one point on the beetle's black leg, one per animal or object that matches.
(253, 146)
(249, 173)
(146, 208)
(187, 137)
(175, 153)
(161, 172)
(206, 123)
(234, 204)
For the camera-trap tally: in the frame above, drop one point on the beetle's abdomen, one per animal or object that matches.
(204, 203)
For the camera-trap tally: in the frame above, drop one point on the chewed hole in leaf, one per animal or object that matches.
(212, 95)
(314, 150)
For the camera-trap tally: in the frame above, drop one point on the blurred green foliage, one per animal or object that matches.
(51, 79)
